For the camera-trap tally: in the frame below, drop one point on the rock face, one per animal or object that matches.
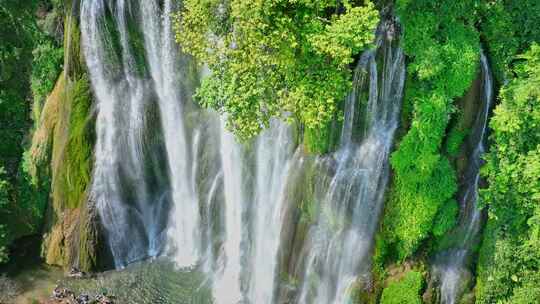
(62, 148)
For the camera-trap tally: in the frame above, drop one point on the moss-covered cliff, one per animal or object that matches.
(62, 146)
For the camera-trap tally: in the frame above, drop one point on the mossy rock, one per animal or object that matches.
(65, 138)
(405, 290)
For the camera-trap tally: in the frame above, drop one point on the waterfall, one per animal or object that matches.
(119, 182)
(227, 285)
(152, 158)
(451, 265)
(341, 240)
(274, 160)
(161, 53)
(170, 180)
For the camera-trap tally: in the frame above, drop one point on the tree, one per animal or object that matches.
(275, 58)
(510, 256)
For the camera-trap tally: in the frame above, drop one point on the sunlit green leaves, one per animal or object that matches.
(440, 39)
(510, 253)
(406, 290)
(275, 58)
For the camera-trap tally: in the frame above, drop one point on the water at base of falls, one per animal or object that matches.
(451, 266)
(146, 283)
(169, 180)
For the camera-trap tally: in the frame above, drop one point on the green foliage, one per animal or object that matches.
(4, 201)
(33, 193)
(443, 45)
(17, 30)
(73, 142)
(46, 67)
(508, 28)
(406, 290)
(321, 140)
(456, 135)
(17, 33)
(510, 253)
(79, 162)
(272, 58)
(29, 63)
(446, 218)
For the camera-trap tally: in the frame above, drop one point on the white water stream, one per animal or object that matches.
(170, 180)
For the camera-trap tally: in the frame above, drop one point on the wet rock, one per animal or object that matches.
(83, 299)
(76, 273)
(62, 295)
(104, 299)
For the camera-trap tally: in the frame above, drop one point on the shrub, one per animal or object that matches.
(46, 67)
(275, 58)
(406, 290)
(443, 45)
(509, 256)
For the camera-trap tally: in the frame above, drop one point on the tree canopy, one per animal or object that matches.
(275, 58)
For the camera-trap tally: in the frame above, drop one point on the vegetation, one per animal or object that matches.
(30, 61)
(17, 32)
(508, 28)
(276, 58)
(406, 290)
(293, 59)
(510, 256)
(443, 45)
(46, 66)
(4, 241)
(508, 263)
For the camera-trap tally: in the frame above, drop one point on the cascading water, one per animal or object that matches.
(340, 242)
(120, 186)
(451, 265)
(227, 283)
(162, 59)
(274, 160)
(170, 180)
(132, 217)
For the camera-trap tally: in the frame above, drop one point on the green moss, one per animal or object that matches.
(406, 290)
(309, 204)
(136, 42)
(79, 155)
(323, 140)
(113, 44)
(73, 59)
(455, 139)
(88, 240)
(72, 153)
(317, 141)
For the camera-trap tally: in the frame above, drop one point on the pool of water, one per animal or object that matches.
(156, 282)
(148, 282)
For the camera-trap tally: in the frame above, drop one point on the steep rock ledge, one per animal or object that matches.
(62, 148)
